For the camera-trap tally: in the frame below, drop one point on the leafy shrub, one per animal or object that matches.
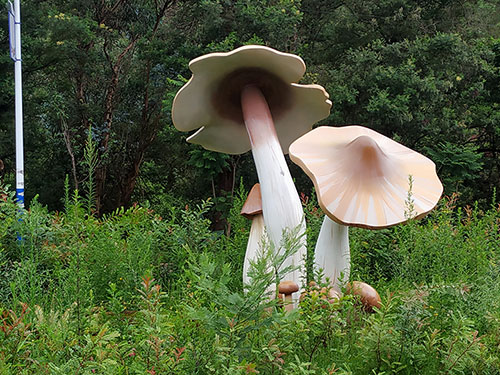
(135, 293)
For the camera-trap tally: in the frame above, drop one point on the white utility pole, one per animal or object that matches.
(15, 54)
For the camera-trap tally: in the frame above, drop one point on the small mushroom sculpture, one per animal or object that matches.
(367, 295)
(362, 179)
(248, 99)
(286, 289)
(252, 210)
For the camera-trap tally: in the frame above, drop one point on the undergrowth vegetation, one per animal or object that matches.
(136, 293)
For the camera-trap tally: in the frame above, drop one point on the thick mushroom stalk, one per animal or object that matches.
(281, 204)
(332, 254)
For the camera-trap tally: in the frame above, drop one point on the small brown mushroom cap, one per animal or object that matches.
(253, 204)
(368, 295)
(288, 287)
(362, 177)
(211, 100)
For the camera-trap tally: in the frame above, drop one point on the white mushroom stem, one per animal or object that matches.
(332, 253)
(253, 246)
(281, 204)
(288, 302)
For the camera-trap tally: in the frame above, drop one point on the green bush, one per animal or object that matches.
(136, 293)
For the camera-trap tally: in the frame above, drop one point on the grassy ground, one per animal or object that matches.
(136, 293)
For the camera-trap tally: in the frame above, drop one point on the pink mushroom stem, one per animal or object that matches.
(332, 253)
(281, 206)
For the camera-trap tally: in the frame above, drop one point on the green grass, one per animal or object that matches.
(136, 293)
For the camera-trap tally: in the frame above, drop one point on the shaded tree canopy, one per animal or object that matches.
(426, 73)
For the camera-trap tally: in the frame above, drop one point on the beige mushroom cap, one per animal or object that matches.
(362, 177)
(253, 204)
(210, 101)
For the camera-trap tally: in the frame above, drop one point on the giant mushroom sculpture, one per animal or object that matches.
(247, 99)
(362, 179)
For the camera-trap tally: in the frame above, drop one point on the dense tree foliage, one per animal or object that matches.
(426, 73)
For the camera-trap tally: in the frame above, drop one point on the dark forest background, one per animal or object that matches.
(426, 73)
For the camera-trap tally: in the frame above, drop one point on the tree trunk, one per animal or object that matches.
(109, 104)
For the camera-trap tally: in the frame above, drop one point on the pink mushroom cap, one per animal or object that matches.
(362, 178)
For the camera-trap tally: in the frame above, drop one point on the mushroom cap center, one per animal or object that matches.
(226, 98)
(371, 161)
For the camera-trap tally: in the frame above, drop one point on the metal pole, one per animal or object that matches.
(16, 44)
